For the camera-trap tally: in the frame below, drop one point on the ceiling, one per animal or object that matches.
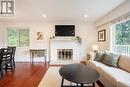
(62, 10)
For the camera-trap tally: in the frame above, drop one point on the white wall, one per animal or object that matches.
(117, 12)
(106, 44)
(1, 35)
(86, 31)
(105, 23)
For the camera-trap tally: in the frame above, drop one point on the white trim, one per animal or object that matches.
(8, 28)
(113, 34)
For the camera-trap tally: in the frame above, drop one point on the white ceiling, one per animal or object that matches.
(62, 10)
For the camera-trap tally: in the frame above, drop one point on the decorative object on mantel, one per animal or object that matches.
(78, 39)
(102, 35)
(52, 37)
(39, 35)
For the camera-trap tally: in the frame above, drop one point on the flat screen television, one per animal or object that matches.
(64, 30)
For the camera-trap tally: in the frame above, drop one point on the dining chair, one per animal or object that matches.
(6, 60)
(1, 71)
(13, 48)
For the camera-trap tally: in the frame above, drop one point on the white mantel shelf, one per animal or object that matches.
(63, 39)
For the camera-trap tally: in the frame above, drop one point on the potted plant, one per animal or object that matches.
(78, 39)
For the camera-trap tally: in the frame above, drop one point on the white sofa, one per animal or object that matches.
(111, 76)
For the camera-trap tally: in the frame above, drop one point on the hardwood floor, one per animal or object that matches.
(25, 75)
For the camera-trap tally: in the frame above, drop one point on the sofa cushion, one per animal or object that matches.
(99, 56)
(111, 59)
(114, 75)
(124, 62)
(95, 64)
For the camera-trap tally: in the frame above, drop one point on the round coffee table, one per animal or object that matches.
(79, 74)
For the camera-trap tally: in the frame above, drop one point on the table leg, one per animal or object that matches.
(33, 56)
(82, 85)
(62, 82)
(77, 84)
(93, 84)
(45, 59)
(30, 56)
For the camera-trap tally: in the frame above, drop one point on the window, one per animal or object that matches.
(18, 37)
(121, 42)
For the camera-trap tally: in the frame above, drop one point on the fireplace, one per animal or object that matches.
(65, 54)
(64, 50)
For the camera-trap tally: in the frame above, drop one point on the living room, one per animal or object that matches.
(33, 27)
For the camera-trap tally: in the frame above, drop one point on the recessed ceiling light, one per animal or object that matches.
(85, 15)
(44, 16)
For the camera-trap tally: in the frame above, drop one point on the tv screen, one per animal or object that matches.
(64, 30)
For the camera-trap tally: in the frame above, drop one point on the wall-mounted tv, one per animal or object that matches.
(64, 30)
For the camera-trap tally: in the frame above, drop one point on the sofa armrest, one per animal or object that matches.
(92, 55)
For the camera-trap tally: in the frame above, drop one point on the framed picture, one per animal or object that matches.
(39, 35)
(102, 35)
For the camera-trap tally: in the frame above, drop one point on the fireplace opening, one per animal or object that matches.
(65, 54)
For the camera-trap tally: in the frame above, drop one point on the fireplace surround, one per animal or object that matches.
(63, 50)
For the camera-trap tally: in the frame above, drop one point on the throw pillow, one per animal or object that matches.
(99, 56)
(111, 59)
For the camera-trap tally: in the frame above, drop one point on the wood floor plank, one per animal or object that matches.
(25, 75)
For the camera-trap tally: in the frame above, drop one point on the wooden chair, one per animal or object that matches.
(6, 60)
(13, 54)
(1, 71)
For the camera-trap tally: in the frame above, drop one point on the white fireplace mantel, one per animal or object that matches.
(67, 43)
(63, 39)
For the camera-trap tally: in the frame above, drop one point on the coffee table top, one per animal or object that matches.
(79, 73)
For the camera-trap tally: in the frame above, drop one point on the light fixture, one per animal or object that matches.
(95, 48)
(44, 15)
(85, 16)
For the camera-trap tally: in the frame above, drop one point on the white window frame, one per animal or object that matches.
(18, 29)
(113, 34)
